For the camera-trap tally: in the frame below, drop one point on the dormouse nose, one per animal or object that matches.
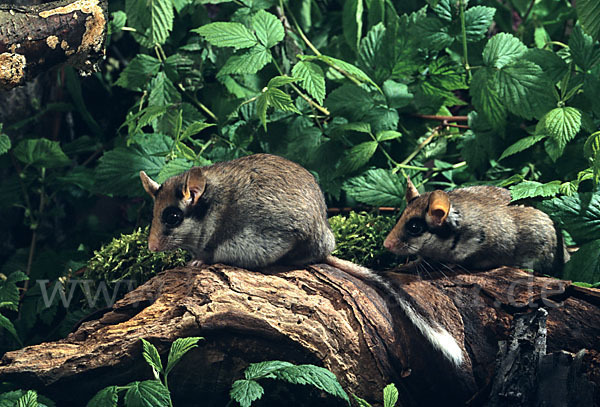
(388, 243)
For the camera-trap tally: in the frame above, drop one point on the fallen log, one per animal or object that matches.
(323, 316)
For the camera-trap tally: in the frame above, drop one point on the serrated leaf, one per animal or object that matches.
(523, 88)
(376, 187)
(562, 123)
(161, 21)
(5, 143)
(195, 128)
(554, 148)
(521, 145)
(484, 93)
(107, 397)
(149, 393)
(16, 277)
(29, 399)
(397, 94)
(442, 9)
(222, 34)
(588, 12)
(584, 50)
(249, 62)
(316, 376)
(179, 348)
(162, 91)
(578, 214)
(8, 325)
(584, 265)
(280, 100)
(533, 189)
(357, 156)
(388, 135)
(41, 152)
(138, 72)
(432, 33)
(360, 402)
(352, 16)
(346, 67)
(279, 81)
(152, 357)
(350, 101)
(312, 79)
(369, 52)
(268, 28)
(117, 21)
(245, 392)
(261, 109)
(592, 145)
(261, 370)
(552, 65)
(502, 49)
(390, 395)
(445, 74)
(360, 127)
(477, 22)
(152, 20)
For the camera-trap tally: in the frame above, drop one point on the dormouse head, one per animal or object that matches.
(425, 218)
(175, 204)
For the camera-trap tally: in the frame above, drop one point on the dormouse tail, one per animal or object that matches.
(435, 334)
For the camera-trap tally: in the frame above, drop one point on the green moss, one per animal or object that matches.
(360, 237)
(128, 257)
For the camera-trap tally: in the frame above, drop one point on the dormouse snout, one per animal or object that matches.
(388, 243)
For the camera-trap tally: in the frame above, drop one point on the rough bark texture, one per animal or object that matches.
(323, 316)
(36, 38)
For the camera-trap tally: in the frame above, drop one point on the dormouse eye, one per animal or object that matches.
(415, 227)
(172, 216)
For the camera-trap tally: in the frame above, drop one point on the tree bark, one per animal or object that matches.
(35, 38)
(323, 316)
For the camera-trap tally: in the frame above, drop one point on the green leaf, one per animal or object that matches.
(152, 357)
(195, 128)
(588, 12)
(118, 21)
(397, 94)
(41, 153)
(346, 67)
(562, 124)
(245, 392)
(390, 395)
(578, 214)
(5, 143)
(179, 348)
(162, 20)
(541, 37)
(477, 22)
(265, 369)
(107, 397)
(521, 145)
(442, 9)
(360, 402)
(223, 34)
(485, 96)
(584, 50)
(352, 16)
(523, 88)
(532, 189)
(312, 79)
(376, 187)
(432, 33)
(162, 91)
(502, 49)
(279, 81)
(268, 28)
(591, 148)
(552, 65)
(445, 74)
(152, 20)
(261, 109)
(149, 393)
(554, 148)
(280, 100)
(357, 156)
(249, 62)
(351, 101)
(8, 325)
(584, 264)
(369, 53)
(316, 376)
(29, 399)
(388, 135)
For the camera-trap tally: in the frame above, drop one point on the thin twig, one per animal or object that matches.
(443, 118)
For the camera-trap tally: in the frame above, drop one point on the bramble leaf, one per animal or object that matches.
(268, 28)
(376, 187)
(312, 79)
(245, 392)
(222, 34)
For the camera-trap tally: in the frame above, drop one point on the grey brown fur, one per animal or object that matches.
(480, 230)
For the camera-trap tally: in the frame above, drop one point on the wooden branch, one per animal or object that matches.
(34, 39)
(318, 315)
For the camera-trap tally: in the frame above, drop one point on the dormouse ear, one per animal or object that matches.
(149, 184)
(439, 207)
(411, 191)
(193, 185)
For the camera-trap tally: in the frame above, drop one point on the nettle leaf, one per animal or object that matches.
(138, 72)
(312, 79)
(107, 397)
(390, 395)
(151, 356)
(264, 369)
(502, 49)
(152, 19)
(249, 62)
(578, 214)
(357, 156)
(376, 187)
(397, 94)
(369, 52)
(442, 9)
(532, 189)
(179, 348)
(552, 65)
(584, 264)
(352, 16)
(588, 12)
(280, 100)
(245, 392)
(562, 124)
(432, 33)
(316, 376)
(29, 399)
(484, 93)
(445, 74)
(584, 50)
(523, 88)
(521, 145)
(5, 143)
(149, 393)
(477, 22)
(41, 153)
(268, 28)
(162, 20)
(223, 34)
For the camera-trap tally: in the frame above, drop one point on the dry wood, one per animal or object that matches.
(319, 315)
(35, 38)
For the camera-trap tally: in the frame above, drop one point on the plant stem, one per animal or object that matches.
(464, 39)
(297, 27)
(443, 118)
(198, 103)
(412, 155)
